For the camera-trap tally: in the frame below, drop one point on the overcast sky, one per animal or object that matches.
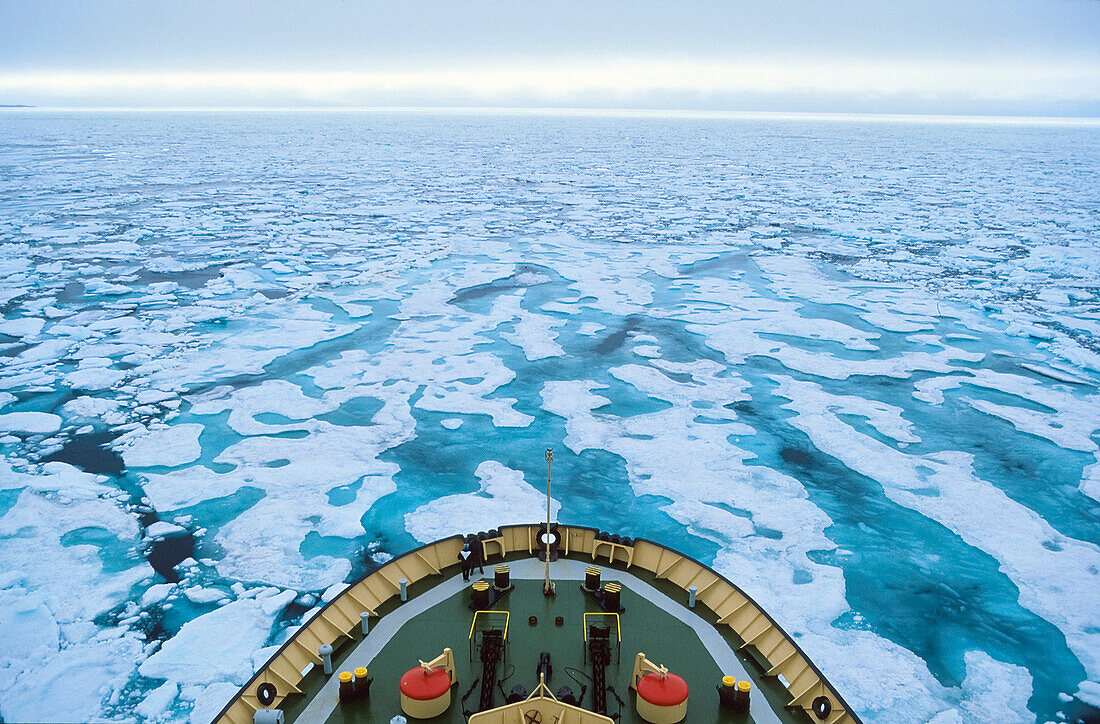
(924, 56)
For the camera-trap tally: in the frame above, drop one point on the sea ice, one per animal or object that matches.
(211, 701)
(162, 529)
(216, 646)
(263, 543)
(168, 446)
(995, 691)
(1052, 582)
(1089, 692)
(534, 333)
(22, 327)
(74, 683)
(95, 378)
(503, 497)
(875, 281)
(275, 397)
(156, 594)
(30, 423)
(156, 702)
(701, 473)
(66, 680)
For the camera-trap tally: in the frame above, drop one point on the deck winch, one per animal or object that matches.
(599, 651)
(492, 648)
(489, 637)
(545, 669)
(565, 694)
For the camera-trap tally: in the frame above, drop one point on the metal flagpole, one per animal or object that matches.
(548, 585)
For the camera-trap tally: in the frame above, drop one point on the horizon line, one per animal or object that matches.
(687, 113)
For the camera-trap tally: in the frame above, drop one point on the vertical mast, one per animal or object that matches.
(548, 585)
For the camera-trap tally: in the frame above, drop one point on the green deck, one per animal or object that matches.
(645, 627)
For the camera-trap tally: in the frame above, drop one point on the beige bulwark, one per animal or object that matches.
(732, 607)
(540, 706)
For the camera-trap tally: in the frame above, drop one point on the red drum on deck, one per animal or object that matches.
(669, 691)
(417, 684)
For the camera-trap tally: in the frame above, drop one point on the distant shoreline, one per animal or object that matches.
(16, 105)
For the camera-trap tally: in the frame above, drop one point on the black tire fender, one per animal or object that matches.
(822, 707)
(555, 536)
(266, 693)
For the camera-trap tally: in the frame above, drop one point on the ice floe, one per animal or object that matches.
(161, 529)
(167, 446)
(22, 327)
(503, 498)
(30, 423)
(217, 646)
(1089, 692)
(994, 691)
(155, 705)
(534, 333)
(210, 701)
